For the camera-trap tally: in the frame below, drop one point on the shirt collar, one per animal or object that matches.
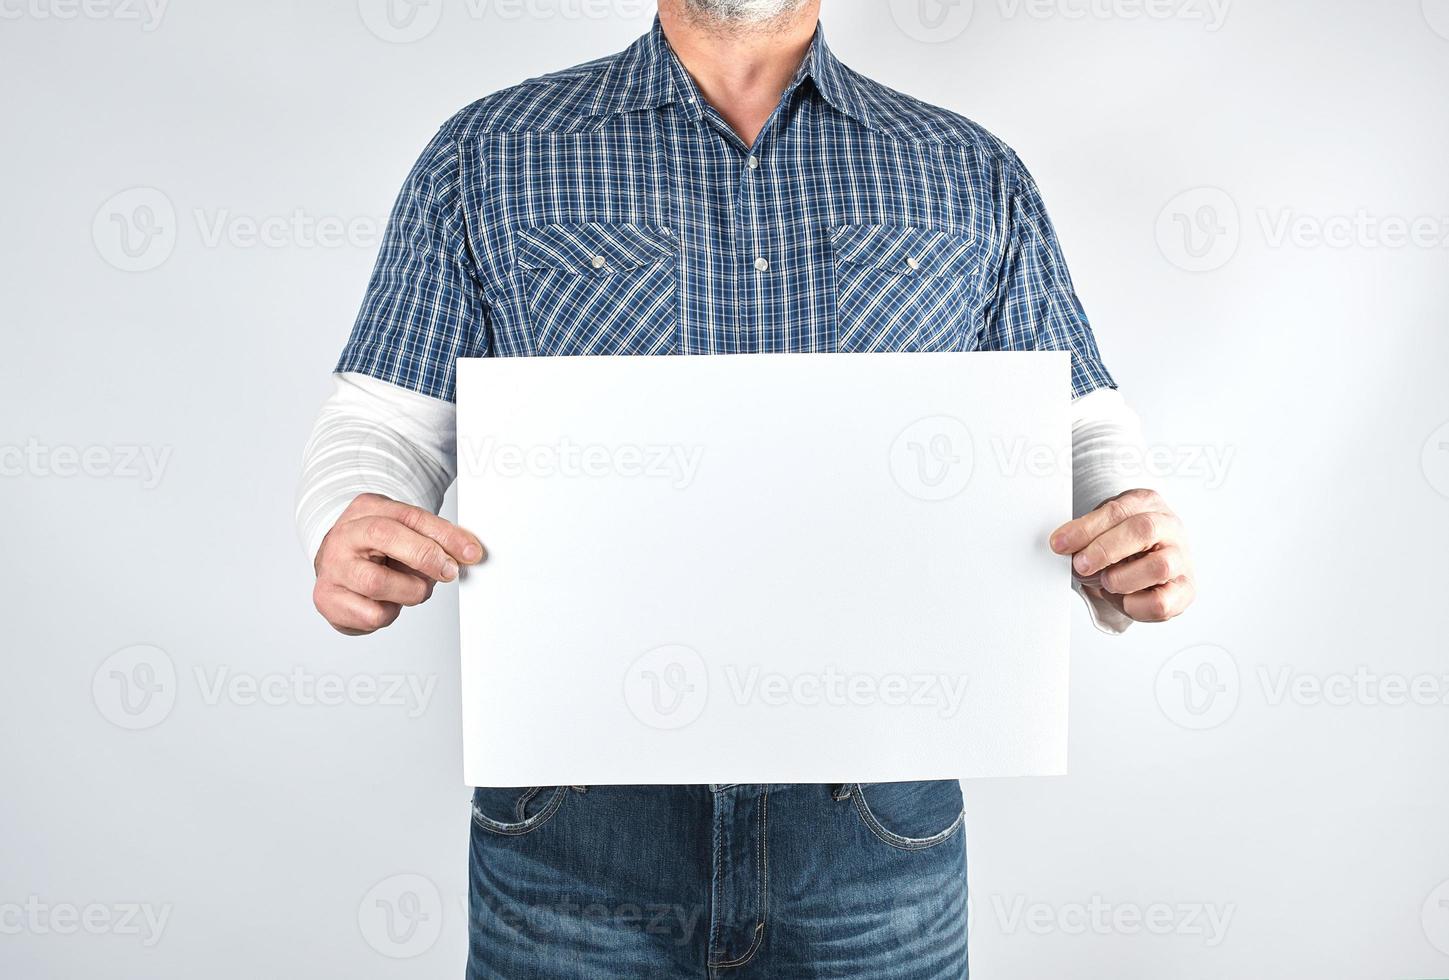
(648, 75)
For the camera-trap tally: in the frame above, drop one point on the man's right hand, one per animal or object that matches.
(382, 555)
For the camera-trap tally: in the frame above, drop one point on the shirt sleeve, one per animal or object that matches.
(1034, 305)
(424, 306)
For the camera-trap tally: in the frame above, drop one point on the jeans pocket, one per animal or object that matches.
(910, 816)
(516, 810)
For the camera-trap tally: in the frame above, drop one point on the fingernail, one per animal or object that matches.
(1059, 542)
(450, 570)
(1082, 563)
(471, 552)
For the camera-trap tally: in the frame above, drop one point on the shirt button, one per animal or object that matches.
(762, 264)
(914, 263)
(597, 261)
(754, 162)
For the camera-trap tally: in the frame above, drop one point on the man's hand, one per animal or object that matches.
(382, 555)
(1136, 543)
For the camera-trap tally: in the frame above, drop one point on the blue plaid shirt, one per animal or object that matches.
(608, 209)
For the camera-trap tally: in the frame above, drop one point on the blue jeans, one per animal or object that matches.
(789, 881)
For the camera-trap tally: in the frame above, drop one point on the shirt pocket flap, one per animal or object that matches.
(904, 249)
(593, 247)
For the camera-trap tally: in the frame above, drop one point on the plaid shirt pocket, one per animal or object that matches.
(595, 288)
(902, 288)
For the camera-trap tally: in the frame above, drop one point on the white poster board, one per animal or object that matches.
(764, 568)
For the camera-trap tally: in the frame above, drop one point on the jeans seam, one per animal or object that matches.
(762, 852)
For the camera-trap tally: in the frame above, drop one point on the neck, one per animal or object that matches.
(741, 69)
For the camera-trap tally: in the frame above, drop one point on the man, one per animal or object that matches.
(724, 185)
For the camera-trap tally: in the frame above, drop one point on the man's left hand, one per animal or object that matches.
(1135, 544)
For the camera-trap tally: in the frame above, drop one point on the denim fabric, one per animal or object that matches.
(792, 881)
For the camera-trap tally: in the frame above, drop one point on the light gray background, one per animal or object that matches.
(276, 837)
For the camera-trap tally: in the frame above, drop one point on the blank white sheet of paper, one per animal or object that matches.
(764, 568)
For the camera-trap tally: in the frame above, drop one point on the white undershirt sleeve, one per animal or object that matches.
(1106, 433)
(376, 437)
